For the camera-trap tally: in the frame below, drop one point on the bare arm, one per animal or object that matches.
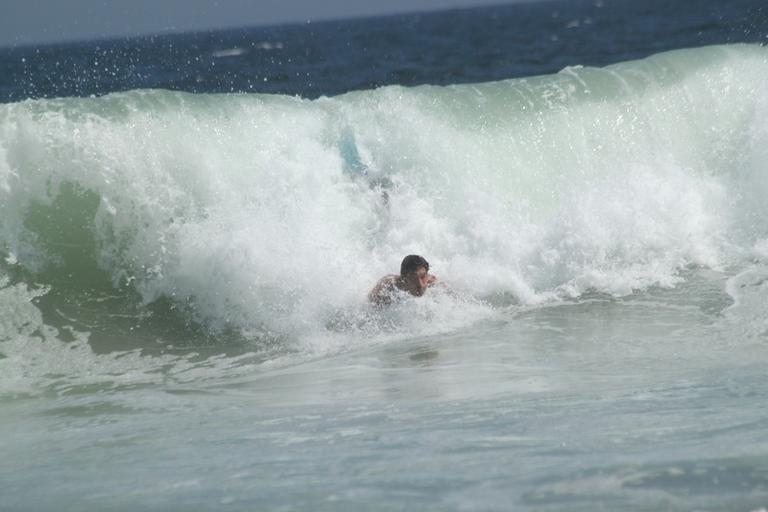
(436, 283)
(382, 292)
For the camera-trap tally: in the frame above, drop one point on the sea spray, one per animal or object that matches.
(268, 216)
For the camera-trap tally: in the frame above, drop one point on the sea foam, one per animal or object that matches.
(273, 216)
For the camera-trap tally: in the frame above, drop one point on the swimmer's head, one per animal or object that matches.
(414, 275)
(411, 263)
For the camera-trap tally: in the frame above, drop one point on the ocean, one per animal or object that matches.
(190, 223)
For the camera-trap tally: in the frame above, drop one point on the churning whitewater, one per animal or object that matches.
(186, 251)
(269, 217)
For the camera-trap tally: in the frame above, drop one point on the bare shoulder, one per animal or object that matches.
(389, 280)
(382, 292)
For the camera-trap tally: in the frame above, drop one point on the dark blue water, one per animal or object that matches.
(329, 58)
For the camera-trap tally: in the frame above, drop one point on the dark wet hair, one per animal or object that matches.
(411, 263)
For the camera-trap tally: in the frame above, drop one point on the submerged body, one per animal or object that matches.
(414, 278)
(385, 290)
(244, 215)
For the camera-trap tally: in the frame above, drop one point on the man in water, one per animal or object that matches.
(414, 278)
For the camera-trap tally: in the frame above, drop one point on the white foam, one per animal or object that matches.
(271, 214)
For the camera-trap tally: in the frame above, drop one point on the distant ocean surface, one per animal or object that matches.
(189, 226)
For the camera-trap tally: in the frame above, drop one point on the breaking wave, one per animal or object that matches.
(271, 216)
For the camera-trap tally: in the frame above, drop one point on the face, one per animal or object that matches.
(416, 282)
